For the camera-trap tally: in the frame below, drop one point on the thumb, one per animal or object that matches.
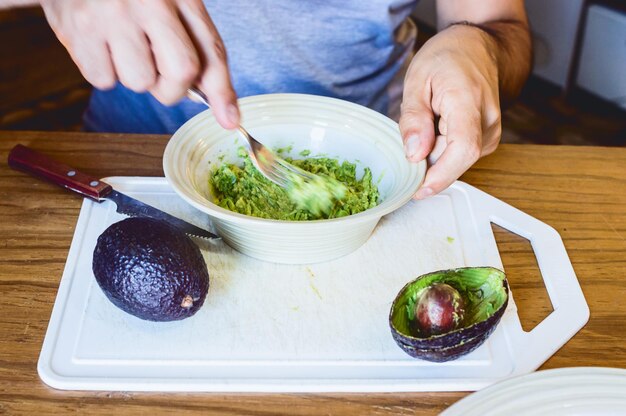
(417, 124)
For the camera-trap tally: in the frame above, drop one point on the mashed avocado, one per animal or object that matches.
(337, 193)
(316, 195)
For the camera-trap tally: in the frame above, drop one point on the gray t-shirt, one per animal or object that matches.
(353, 50)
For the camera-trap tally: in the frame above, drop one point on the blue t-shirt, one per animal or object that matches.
(349, 49)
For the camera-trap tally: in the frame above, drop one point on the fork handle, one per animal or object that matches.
(197, 95)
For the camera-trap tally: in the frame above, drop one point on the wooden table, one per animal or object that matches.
(580, 191)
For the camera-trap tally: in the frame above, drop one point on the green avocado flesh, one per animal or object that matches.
(336, 192)
(482, 290)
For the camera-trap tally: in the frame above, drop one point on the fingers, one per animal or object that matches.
(94, 62)
(462, 148)
(90, 53)
(417, 120)
(214, 78)
(144, 45)
(160, 46)
(177, 61)
(438, 149)
(132, 58)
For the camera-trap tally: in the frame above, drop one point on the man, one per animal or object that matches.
(143, 55)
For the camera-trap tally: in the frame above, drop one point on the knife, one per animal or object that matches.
(37, 164)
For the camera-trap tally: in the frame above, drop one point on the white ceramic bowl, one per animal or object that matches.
(325, 126)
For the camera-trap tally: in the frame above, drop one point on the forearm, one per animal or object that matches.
(510, 46)
(505, 25)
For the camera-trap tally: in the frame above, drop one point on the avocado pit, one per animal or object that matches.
(440, 309)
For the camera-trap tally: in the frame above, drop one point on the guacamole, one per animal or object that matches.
(336, 193)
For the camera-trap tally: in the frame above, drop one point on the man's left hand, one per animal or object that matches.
(451, 81)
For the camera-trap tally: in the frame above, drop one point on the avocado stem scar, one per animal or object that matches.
(187, 302)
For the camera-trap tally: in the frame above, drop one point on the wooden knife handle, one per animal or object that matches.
(37, 164)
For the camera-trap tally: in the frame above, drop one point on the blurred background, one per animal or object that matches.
(576, 94)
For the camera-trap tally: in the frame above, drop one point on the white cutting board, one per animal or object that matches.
(282, 328)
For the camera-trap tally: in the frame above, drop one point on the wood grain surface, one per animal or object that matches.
(580, 191)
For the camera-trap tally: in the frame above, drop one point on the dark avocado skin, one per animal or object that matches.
(147, 267)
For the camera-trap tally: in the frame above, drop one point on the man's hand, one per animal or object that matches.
(456, 80)
(159, 46)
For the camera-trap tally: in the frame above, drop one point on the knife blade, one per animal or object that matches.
(42, 166)
(134, 208)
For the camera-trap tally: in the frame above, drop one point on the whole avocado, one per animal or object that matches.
(150, 269)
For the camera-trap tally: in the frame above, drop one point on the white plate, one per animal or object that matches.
(580, 391)
(323, 327)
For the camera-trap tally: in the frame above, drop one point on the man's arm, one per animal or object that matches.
(507, 24)
(457, 79)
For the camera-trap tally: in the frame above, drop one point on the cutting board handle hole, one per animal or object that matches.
(524, 276)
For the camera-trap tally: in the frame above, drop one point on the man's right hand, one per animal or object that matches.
(159, 46)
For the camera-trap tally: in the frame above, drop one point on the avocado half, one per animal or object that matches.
(485, 291)
(150, 269)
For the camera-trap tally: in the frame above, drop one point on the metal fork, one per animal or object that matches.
(269, 164)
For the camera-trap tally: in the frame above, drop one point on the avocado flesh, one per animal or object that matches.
(336, 193)
(150, 269)
(485, 291)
